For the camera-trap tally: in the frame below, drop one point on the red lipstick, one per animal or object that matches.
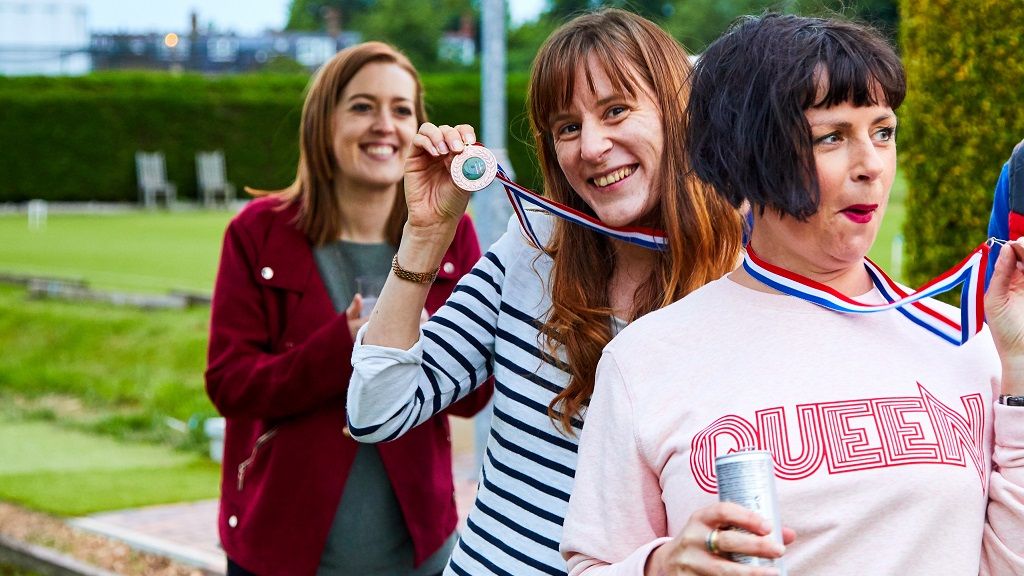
(860, 213)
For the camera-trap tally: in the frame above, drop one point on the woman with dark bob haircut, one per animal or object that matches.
(880, 431)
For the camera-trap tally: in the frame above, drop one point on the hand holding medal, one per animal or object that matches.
(471, 170)
(432, 197)
(474, 169)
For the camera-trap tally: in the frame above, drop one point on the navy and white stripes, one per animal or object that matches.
(489, 325)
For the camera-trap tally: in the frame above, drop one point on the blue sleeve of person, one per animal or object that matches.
(999, 222)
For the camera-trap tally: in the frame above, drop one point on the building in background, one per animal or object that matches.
(214, 52)
(44, 37)
(53, 37)
(459, 46)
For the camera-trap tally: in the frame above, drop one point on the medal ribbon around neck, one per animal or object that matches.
(522, 197)
(969, 272)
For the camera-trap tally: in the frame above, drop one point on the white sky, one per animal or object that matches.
(241, 16)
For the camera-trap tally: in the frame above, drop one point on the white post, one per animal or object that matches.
(896, 256)
(491, 210)
(37, 214)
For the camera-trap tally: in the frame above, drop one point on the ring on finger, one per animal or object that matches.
(711, 543)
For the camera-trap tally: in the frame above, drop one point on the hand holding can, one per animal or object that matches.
(747, 478)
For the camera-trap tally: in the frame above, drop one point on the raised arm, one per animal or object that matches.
(400, 379)
(435, 207)
(394, 389)
(463, 254)
(1003, 541)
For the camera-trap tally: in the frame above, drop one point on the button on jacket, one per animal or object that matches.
(278, 370)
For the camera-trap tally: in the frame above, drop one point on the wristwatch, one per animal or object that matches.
(1009, 400)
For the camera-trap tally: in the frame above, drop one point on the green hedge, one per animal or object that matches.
(963, 114)
(74, 139)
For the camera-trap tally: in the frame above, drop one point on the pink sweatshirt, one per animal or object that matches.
(891, 458)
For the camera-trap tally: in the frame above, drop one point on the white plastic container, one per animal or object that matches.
(214, 429)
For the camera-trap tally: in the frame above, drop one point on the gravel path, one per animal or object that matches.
(51, 532)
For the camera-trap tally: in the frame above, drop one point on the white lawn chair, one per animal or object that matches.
(151, 172)
(211, 175)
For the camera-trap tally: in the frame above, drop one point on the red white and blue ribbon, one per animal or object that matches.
(521, 198)
(970, 272)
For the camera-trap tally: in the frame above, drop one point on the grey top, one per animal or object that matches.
(368, 536)
(341, 262)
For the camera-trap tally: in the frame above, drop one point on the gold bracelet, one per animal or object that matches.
(417, 277)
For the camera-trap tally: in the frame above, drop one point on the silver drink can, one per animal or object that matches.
(748, 479)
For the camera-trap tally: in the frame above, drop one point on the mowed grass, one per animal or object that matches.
(71, 473)
(156, 252)
(87, 390)
(126, 369)
(151, 252)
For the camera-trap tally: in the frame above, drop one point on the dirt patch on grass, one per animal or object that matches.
(51, 532)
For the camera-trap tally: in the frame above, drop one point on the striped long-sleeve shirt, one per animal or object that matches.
(488, 326)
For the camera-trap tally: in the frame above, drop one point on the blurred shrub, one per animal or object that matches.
(963, 114)
(74, 139)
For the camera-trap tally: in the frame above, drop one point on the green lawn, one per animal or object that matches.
(87, 390)
(126, 369)
(72, 473)
(86, 394)
(156, 252)
(129, 369)
(135, 252)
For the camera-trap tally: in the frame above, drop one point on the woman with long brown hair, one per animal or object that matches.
(298, 495)
(607, 101)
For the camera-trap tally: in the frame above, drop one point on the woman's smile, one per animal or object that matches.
(613, 177)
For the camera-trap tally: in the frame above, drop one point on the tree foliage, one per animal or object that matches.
(524, 42)
(415, 28)
(696, 23)
(416, 32)
(309, 14)
(963, 114)
(561, 10)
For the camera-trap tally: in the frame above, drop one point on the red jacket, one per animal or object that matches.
(278, 370)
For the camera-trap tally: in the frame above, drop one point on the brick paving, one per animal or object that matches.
(187, 533)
